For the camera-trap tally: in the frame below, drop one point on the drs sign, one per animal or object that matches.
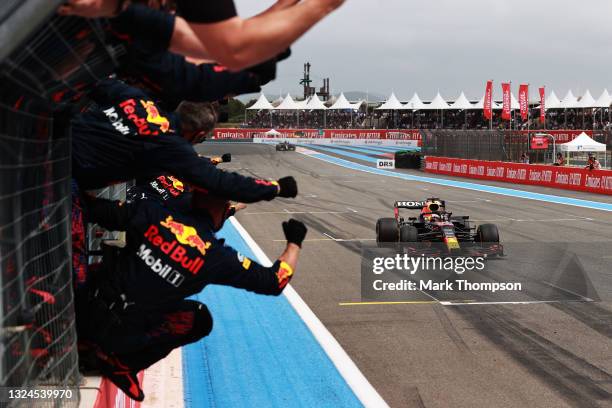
(385, 164)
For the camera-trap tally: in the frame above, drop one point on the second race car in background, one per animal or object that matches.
(285, 146)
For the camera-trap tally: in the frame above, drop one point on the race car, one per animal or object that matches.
(435, 224)
(285, 146)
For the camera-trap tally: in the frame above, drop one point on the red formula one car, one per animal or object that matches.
(435, 225)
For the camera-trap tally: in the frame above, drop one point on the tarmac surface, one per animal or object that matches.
(426, 353)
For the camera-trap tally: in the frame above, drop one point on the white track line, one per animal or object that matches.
(527, 302)
(355, 379)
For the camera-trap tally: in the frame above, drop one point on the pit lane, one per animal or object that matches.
(423, 353)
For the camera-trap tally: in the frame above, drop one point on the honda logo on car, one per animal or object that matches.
(410, 204)
(385, 164)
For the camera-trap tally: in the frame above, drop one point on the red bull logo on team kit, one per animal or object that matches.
(267, 183)
(174, 249)
(186, 235)
(284, 274)
(153, 116)
(172, 184)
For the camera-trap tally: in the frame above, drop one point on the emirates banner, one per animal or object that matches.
(542, 105)
(488, 101)
(506, 108)
(361, 134)
(568, 178)
(524, 101)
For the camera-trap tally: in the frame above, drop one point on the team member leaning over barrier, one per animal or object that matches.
(132, 312)
(126, 136)
(212, 29)
(169, 77)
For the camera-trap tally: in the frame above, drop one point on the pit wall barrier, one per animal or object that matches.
(567, 178)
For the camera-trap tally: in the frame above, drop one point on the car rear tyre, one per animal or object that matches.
(387, 230)
(487, 233)
(408, 233)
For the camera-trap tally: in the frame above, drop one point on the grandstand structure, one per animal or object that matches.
(570, 112)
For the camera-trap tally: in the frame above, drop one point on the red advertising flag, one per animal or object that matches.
(506, 101)
(542, 105)
(488, 101)
(524, 100)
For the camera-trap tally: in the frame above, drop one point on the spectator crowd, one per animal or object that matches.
(371, 118)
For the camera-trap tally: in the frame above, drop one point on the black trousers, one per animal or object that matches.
(139, 337)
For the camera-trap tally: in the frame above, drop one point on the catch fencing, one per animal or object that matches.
(45, 62)
(465, 144)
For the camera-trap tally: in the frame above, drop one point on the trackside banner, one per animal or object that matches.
(360, 134)
(569, 178)
(561, 136)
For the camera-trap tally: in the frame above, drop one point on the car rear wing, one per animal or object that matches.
(413, 205)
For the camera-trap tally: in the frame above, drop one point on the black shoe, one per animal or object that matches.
(126, 381)
(124, 378)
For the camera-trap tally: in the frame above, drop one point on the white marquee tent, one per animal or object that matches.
(462, 103)
(604, 101)
(288, 104)
(314, 103)
(301, 105)
(261, 104)
(273, 133)
(343, 103)
(552, 102)
(514, 105)
(587, 101)
(582, 143)
(437, 103)
(391, 104)
(414, 103)
(569, 101)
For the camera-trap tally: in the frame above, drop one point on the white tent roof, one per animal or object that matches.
(288, 104)
(582, 143)
(462, 103)
(552, 102)
(604, 100)
(277, 101)
(314, 103)
(261, 104)
(273, 132)
(414, 103)
(587, 100)
(391, 104)
(569, 101)
(301, 104)
(437, 103)
(514, 105)
(343, 103)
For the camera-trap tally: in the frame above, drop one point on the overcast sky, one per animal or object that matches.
(453, 45)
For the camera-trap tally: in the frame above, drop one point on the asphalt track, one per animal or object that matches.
(425, 354)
